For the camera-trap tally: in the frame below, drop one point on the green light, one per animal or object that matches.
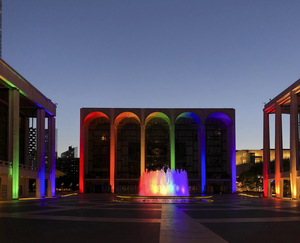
(172, 146)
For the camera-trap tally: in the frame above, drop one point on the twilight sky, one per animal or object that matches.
(158, 53)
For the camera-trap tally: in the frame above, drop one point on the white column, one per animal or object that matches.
(266, 155)
(40, 157)
(13, 141)
(278, 150)
(294, 145)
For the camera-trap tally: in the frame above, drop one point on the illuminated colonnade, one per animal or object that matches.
(114, 116)
(287, 102)
(24, 101)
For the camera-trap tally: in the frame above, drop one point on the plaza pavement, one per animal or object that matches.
(99, 218)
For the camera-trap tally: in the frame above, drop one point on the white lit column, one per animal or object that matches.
(40, 181)
(294, 145)
(278, 151)
(266, 155)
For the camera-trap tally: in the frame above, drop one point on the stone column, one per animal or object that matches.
(201, 140)
(51, 156)
(142, 165)
(266, 155)
(26, 145)
(294, 145)
(83, 159)
(112, 151)
(13, 140)
(40, 181)
(172, 145)
(278, 150)
(232, 154)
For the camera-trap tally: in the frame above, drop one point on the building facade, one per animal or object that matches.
(118, 144)
(19, 103)
(287, 102)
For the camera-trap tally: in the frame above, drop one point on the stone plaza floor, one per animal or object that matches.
(99, 218)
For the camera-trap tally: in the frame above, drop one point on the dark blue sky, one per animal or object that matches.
(158, 53)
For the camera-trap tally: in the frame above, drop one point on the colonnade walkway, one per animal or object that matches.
(99, 218)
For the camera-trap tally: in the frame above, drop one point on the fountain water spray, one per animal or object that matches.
(159, 183)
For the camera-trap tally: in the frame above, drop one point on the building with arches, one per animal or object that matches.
(118, 144)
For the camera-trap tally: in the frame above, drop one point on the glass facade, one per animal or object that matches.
(128, 149)
(186, 147)
(99, 149)
(216, 149)
(157, 144)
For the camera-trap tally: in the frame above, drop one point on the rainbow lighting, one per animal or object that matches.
(160, 183)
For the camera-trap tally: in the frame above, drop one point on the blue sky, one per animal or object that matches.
(158, 53)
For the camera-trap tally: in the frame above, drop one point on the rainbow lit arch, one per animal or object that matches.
(84, 130)
(197, 120)
(190, 115)
(158, 115)
(125, 115)
(231, 143)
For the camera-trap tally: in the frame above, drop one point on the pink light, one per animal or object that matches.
(159, 183)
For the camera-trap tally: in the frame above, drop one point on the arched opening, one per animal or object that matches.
(128, 153)
(186, 144)
(218, 166)
(157, 141)
(98, 156)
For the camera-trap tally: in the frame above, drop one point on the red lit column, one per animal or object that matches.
(278, 151)
(40, 181)
(294, 145)
(82, 160)
(266, 155)
(112, 151)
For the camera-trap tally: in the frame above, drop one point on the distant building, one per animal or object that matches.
(246, 158)
(69, 166)
(70, 153)
(69, 162)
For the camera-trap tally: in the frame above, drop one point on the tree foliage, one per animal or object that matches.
(252, 178)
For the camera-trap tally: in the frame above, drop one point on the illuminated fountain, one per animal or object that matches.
(159, 183)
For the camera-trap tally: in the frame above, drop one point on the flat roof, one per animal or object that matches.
(30, 97)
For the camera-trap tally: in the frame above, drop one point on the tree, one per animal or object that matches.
(252, 178)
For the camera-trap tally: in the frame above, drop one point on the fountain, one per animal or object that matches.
(164, 187)
(160, 183)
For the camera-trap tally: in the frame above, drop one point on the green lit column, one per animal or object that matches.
(13, 140)
(172, 145)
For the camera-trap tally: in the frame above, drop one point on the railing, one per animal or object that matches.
(5, 163)
(28, 167)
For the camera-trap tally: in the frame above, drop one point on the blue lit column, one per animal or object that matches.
(51, 156)
(201, 141)
(40, 181)
(266, 155)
